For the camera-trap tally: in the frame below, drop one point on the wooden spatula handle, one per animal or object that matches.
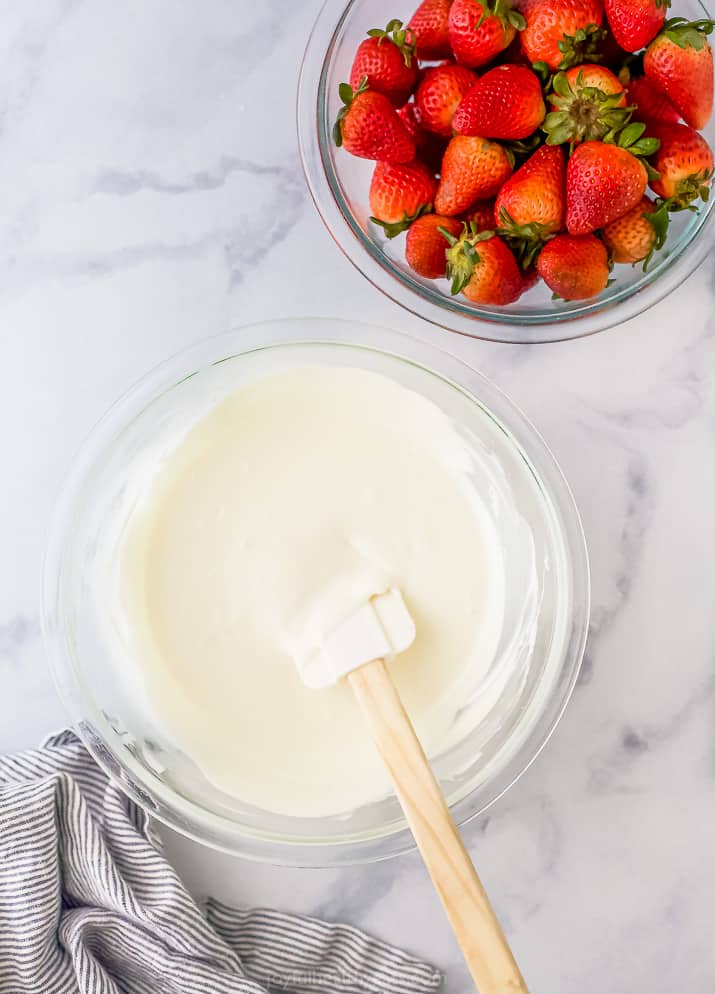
(478, 932)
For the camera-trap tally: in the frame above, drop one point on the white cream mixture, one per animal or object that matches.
(311, 480)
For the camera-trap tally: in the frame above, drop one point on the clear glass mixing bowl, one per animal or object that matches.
(89, 655)
(339, 185)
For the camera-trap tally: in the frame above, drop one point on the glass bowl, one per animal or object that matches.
(339, 185)
(90, 657)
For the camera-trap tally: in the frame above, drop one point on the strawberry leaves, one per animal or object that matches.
(582, 47)
(394, 228)
(659, 219)
(502, 10)
(347, 95)
(688, 34)
(525, 240)
(462, 255)
(583, 113)
(631, 138)
(403, 38)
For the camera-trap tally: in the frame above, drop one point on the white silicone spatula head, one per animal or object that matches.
(378, 629)
(356, 648)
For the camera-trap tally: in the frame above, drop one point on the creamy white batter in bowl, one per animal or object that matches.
(355, 452)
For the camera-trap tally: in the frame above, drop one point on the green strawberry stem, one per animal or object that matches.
(525, 240)
(402, 37)
(462, 255)
(347, 95)
(630, 138)
(520, 150)
(582, 47)
(693, 187)
(659, 219)
(394, 228)
(584, 114)
(687, 34)
(544, 73)
(502, 10)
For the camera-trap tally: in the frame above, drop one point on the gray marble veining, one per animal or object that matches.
(151, 195)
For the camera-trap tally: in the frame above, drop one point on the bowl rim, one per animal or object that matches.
(580, 320)
(220, 832)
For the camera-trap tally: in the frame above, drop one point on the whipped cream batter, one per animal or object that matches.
(314, 479)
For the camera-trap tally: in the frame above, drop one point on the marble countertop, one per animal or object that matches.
(151, 196)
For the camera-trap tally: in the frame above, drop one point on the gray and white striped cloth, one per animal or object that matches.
(89, 905)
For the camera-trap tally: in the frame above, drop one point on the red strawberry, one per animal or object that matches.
(610, 53)
(430, 26)
(684, 162)
(481, 215)
(505, 103)
(426, 246)
(535, 194)
(635, 22)
(530, 278)
(574, 266)
(483, 268)
(368, 126)
(604, 180)
(472, 169)
(649, 101)
(439, 94)
(481, 29)
(561, 33)
(399, 194)
(680, 63)
(598, 77)
(530, 206)
(587, 103)
(636, 235)
(387, 60)
(430, 148)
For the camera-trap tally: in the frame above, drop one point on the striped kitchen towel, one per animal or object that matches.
(89, 905)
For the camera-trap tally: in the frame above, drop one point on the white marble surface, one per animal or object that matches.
(150, 195)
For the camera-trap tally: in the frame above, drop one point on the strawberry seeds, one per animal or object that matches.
(518, 143)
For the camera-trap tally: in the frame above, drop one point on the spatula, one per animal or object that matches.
(357, 650)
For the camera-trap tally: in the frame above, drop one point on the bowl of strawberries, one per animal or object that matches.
(514, 170)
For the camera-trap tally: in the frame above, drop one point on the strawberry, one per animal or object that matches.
(529, 278)
(532, 202)
(426, 246)
(588, 102)
(575, 267)
(680, 63)
(636, 235)
(387, 60)
(684, 162)
(530, 206)
(483, 268)
(430, 147)
(610, 53)
(399, 194)
(430, 26)
(604, 180)
(368, 126)
(472, 169)
(505, 103)
(481, 215)
(634, 23)
(481, 29)
(561, 33)
(439, 94)
(649, 101)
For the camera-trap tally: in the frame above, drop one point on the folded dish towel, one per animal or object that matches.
(89, 904)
